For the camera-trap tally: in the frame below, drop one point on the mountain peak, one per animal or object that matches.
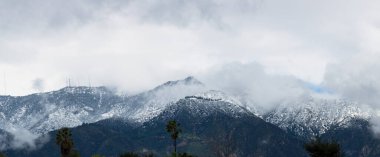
(191, 79)
(187, 81)
(203, 107)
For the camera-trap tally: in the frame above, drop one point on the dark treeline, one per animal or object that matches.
(315, 147)
(319, 148)
(67, 147)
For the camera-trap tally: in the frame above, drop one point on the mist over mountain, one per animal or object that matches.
(242, 77)
(128, 122)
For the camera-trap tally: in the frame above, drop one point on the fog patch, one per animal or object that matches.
(357, 79)
(253, 84)
(39, 84)
(18, 138)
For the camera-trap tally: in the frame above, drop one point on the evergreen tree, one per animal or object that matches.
(173, 128)
(317, 148)
(63, 139)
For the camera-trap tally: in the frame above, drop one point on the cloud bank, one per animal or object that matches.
(357, 79)
(136, 45)
(266, 49)
(252, 84)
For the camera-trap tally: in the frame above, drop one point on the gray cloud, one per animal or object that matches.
(23, 55)
(138, 44)
(357, 79)
(187, 13)
(38, 84)
(256, 86)
(265, 49)
(21, 138)
(45, 14)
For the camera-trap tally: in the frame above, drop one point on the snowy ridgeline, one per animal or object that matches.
(312, 117)
(73, 106)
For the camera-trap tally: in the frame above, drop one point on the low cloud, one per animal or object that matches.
(39, 85)
(18, 138)
(357, 79)
(137, 44)
(254, 84)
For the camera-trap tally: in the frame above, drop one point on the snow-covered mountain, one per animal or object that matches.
(73, 106)
(145, 106)
(210, 102)
(207, 115)
(314, 116)
(69, 107)
(224, 97)
(308, 117)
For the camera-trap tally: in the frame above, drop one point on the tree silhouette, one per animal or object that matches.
(63, 139)
(173, 128)
(317, 148)
(129, 154)
(183, 155)
(2, 155)
(132, 154)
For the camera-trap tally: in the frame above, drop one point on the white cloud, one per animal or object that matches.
(138, 44)
(20, 138)
(252, 83)
(357, 79)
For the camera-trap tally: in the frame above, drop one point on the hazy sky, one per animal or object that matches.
(138, 44)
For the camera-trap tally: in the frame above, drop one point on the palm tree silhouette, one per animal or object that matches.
(173, 128)
(65, 142)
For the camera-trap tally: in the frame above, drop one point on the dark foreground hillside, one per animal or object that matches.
(204, 133)
(357, 140)
(210, 128)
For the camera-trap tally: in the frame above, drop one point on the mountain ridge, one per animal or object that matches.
(73, 107)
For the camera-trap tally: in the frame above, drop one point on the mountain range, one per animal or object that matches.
(214, 123)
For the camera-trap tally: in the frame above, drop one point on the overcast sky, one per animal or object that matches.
(138, 44)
